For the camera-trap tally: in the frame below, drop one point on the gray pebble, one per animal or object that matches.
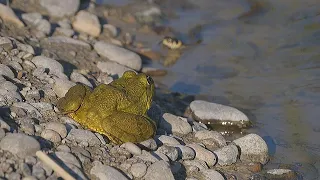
(38, 172)
(51, 135)
(57, 127)
(252, 149)
(64, 32)
(201, 165)
(148, 144)
(196, 126)
(168, 140)
(31, 19)
(169, 151)
(54, 66)
(106, 172)
(31, 160)
(29, 178)
(20, 144)
(227, 155)
(6, 43)
(15, 65)
(68, 41)
(67, 158)
(138, 170)
(159, 170)
(60, 8)
(204, 154)
(6, 71)
(185, 152)
(80, 135)
(77, 77)
(112, 68)
(217, 113)
(25, 169)
(61, 86)
(112, 30)
(211, 174)
(132, 148)
(64, 148)
(14, 176)
(148, 157)
(25, 47)
(175, 124)
(118, 54)
(87, 22)
(29, 108)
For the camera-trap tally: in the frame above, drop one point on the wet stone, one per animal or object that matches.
(252, 149)
(20, 144)
(80, 135)
(175, 124)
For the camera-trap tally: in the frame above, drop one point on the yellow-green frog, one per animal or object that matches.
(117, 110)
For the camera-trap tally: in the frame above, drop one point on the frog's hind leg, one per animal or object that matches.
(73, 99)
(123, 127)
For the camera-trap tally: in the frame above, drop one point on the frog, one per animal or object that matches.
(117, 110)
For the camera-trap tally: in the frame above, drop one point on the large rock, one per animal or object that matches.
(175, 124)
(60, 8)
(227, 155)
(7, 15)
(252, 148)
(119, 55)
(213, 113)
(87, 23)
(20, 144)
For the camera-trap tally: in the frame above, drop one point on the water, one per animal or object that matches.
(267, 63)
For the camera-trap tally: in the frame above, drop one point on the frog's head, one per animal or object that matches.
(139, 86)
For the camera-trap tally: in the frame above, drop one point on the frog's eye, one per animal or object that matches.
(149, 80)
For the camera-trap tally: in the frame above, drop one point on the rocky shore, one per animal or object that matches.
(48, 46)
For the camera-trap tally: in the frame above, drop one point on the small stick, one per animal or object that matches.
(58, 169)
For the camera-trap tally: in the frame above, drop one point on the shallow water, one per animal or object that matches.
(266, 63)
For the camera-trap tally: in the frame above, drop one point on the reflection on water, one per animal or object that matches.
(272, 56)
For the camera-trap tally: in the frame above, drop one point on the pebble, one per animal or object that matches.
(111, 29)
(112, 68)
(252, 149)
(57, 127)
(31, 19)
(63, 148)
(14, 176)
(60, 8)
(281, 174)
(29, 178)
(62, 40)
(7, 15)
(9, 86)
(38, 171)
(25, 169)
(51, 135)
(67, 157)
(227, 155)
(54, 66)
(77, 77)
(106, 172)
(201, 165)
(138, 170)
(64, 32)
(20, 144)
(160, 156)
(217, 137)
(175, 124)
(29, 108)
(80, 135)
(147, 156)
(15, 65)
(169, 151)
(87, 23)
(208, 112)
(159, 170)
(61, 86)
(203, 154)
(167, 140)
(42, 106)
(25, 47)
(211, 174)
(6, 71)
(185, 152)
(118, 54)
(132, 148)
(149, 144)
(6, 43)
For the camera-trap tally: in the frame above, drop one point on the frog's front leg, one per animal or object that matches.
(123, 127)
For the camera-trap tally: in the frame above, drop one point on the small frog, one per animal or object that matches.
(117, 110)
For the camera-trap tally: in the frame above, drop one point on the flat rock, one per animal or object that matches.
(175, 124)
(60, 8)
(119, 55)
(159, 170)
(87, 22)
(7, 15)
(67, 40)
(20, 144)
(112, 68)
(80, 135)
(204, 154)
(106, 172)
(227, 155)
(6, 71)
(213, 113)
(252, 149)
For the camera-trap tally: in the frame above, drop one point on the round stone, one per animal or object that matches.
(138, 170)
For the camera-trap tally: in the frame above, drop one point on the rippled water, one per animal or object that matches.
(267, 62)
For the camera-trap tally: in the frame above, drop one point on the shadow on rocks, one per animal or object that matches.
(5, 115)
